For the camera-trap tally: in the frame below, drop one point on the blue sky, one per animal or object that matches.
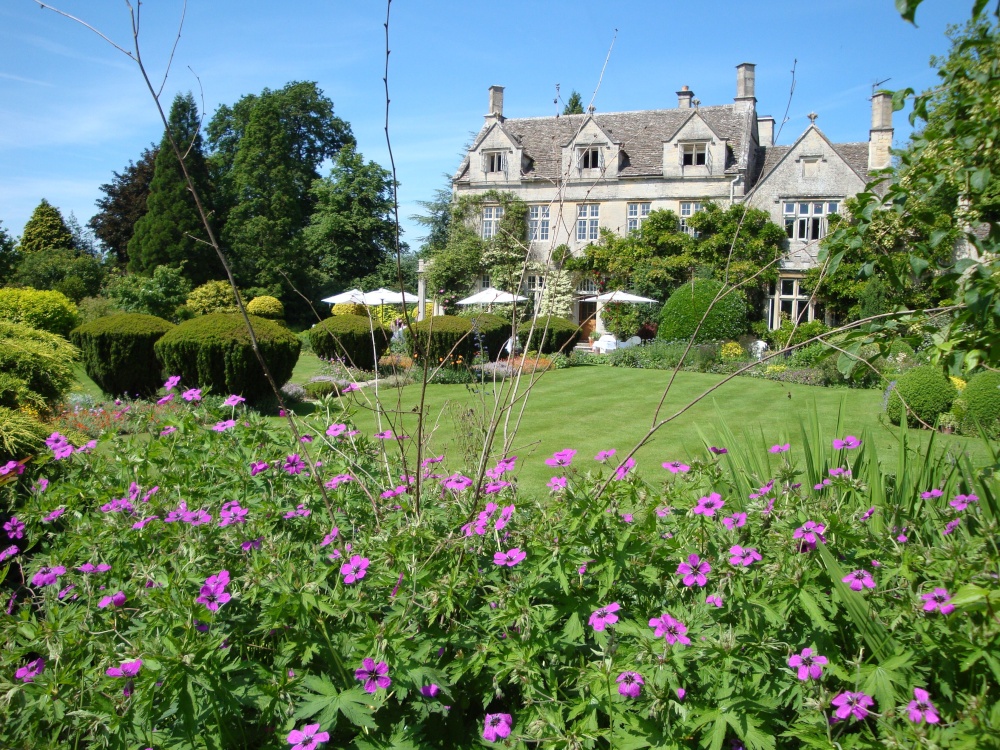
(73, 110)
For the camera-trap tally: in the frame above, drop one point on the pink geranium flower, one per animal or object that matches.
(31, 670)
(672, 630)
(856, 704)
(625, 468)
(859, 579)
(510, 558)
(354, 569)
(939, 599)
(224, 425)
(708, 505)
(961, 502)
(676, 467)
(192, 394)
(172, 382)
(630, 684)
(117, 599)
(743, 556)
(557, 483)
(336, 430)
(605, 616)
(921, 709)
(307, 738)
(694, 571)
(780, 448)
(714, 600)
(374, 676)
(561, 458)
(808, 664)
(125, 669)
(497, 727)
(604, 455)
(848, 443)
(233, 400)
(735, 521)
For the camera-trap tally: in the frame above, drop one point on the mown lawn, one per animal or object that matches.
(597, 408)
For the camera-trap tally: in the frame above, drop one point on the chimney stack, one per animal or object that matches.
(765, 130)
(745, 81)
(880, 136)
(496, 102)
(684, 97)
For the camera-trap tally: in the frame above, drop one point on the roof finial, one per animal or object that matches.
(812, 117)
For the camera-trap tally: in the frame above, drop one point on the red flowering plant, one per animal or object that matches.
(192, 587)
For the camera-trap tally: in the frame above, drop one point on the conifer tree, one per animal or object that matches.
(45, 230)
(575, 104)
(165, 235)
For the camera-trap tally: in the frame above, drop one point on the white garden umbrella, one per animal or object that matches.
(491, 296)
(618, 296)
(351, 295)
(383, 296)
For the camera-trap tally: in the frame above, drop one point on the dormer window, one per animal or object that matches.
(590, 158)
(694, 154)
(494, 162)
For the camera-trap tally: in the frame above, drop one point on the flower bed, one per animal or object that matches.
(194, 588)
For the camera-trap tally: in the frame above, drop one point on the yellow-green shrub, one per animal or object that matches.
(47, 311)
(266, 307)
(212, 297)
(42, 361)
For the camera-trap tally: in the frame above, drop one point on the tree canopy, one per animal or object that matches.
(574, 105)
(45, 230)
(123, 204)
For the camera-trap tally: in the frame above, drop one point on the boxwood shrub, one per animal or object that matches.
(926, 391)
(490, 333)
(214, 351)
(117, 352)
(266, 307)
(684, 310)
(440, 337)
(47, 311)
(982, 400)
(551, 334)
(356, 339)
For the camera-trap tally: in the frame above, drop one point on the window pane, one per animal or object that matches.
(831, 208)
(818, 209)
(594, 209)
(789, 208)
(633, 209)
(700, 158)
(787, 287)
(786, 307)
(581, 210)
(814, 229)
(803, 209)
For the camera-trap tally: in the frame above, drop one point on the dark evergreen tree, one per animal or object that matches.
(9, 255)
(575, 104)
(45, 230)
(267, 152)
(123, 204)
(166, 234)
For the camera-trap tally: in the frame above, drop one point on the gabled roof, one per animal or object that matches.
(855, 155)
(641, 135)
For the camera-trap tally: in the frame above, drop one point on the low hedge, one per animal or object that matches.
(40, 361)
(47, 311)
(356, 339)
(491, 333)
(214, 351)
(926, 391)
(687, 305)
(441, 337)
(982, 400)
(551, 334)
(118, 355)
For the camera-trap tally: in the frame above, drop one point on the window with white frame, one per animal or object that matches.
(789, 300)
(637, 213)
(587, 286)
(484, 281)
(538, 223)
(534, 282)
(807, 220)
(587, 221)
(689, 209)
(693, 154)
(491, 220)
(590, 157)
(494, 162)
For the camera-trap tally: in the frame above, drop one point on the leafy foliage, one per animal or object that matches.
(212, 297)
(548, 334)
(42, 361)
(356, 339)
(926, 391)
(9, 255)
(161, 294)
(20, 434)
(214, 351)
(686, 307)
(44, 310)
(574, 105)
(45, 230)
(117, 352)
(123, 204)
(982, 401)
(266, 307)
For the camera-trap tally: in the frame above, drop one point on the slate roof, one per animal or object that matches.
(640, 134)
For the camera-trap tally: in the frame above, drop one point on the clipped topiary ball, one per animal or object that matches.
(266, 307)
(684, 310)
(550, 334)
(926, 391)
(118, 353)
(982, 399)
(356, 339)
(214, 351)
(441, 337)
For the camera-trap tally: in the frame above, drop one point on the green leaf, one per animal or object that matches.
(573, 629)
(918, 264)
(980, 179)
(353, 704)
(875, 635)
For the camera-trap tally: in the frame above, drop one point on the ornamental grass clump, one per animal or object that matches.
(191, 587)
(117, 352)
(213, 351)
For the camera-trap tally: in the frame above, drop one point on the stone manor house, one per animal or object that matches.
(579, 173)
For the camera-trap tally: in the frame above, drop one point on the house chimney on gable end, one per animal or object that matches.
(745, 82)
(496, 102)
(684, 97)
(880, 136)
(765, 130)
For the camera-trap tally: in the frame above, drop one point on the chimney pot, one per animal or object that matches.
(745, 81)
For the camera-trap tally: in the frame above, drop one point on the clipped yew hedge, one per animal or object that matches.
(687, 305)
(356, 339)
(926, 391)
(439, 337)
(118, 353)
(214, 351)
(490, 334)
(551, 334)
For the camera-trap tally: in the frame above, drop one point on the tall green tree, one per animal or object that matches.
(9, 255)
(168, 233)
(574, 105)
(45, 230)
(435, 219)
(123, 204)
(267, 150)
(352, 229)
